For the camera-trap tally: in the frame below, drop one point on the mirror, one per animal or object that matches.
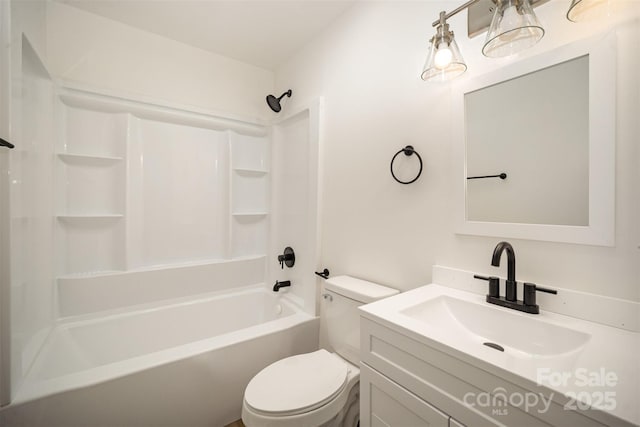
(542, 147)
(535, 147)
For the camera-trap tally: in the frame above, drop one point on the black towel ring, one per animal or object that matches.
(408, 150)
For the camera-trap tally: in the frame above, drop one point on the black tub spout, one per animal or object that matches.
(282, 284)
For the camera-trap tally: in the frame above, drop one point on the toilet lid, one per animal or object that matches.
(297, 384)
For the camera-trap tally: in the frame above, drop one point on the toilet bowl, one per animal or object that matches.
(319, 388)
(311, 389)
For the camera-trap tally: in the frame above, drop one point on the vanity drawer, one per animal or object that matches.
(384, 403)
(457, 387)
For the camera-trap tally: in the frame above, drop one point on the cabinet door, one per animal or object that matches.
(385, 403)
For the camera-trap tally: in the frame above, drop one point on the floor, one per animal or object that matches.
(238, 423)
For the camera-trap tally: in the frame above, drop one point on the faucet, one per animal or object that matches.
(282, 284)
(510, 300)
(511, 289)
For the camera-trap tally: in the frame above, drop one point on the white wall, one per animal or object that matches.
(367, 66)
(92, 50)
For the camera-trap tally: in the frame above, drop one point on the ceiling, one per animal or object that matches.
(259, 32)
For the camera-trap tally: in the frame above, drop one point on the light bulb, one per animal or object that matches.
(443, 56)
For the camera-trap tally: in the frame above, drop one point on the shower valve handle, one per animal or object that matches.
(288, 258)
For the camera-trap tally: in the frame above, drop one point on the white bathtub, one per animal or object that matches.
(183, 364)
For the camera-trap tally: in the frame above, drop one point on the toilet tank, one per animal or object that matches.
(341, 297)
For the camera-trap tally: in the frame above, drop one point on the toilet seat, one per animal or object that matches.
(297, 384)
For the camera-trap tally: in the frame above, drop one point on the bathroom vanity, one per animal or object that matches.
(425, 362)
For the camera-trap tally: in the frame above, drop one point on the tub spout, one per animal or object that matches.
(282, 284)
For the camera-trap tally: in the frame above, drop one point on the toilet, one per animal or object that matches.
(319, 388)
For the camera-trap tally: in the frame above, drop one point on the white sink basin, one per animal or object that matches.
(519, 335)
(537, 348)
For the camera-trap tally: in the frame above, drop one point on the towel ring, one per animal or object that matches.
(408, 151)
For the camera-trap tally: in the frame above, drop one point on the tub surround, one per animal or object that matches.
(159, 295)
(120, 172)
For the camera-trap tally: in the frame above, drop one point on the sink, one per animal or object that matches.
(564, 355)
(471, 323)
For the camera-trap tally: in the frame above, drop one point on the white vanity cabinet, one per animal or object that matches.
(405, 382)
(385, 403)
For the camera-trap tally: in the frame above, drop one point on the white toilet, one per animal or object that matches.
(319, 388)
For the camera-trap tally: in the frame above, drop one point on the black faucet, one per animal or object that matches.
(282, 284)
(511, 290)
(528, 305)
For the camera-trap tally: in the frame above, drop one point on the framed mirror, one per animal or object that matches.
(535, 147)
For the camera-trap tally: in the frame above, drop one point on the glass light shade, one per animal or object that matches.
(584, 10)
(444, 61)
(514, 28)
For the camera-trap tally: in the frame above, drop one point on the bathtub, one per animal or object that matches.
(180, 364)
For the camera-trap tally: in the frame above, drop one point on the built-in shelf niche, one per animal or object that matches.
(250, 193)
(249, 153)
(91, 185)
(250, 160)
(90, 190)
(250, 234)
(93, 133)
(91, 244)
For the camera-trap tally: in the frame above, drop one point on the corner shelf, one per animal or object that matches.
(88, 160)
(89, 274)
(251, 171)
(89, 217)
(246, 214)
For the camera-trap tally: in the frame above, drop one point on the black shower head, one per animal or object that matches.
(274, 103)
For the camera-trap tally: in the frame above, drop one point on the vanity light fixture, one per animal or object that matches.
(444, 61)
(581, 10)
(514, 27)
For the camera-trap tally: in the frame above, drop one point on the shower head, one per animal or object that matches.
(274, 103)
